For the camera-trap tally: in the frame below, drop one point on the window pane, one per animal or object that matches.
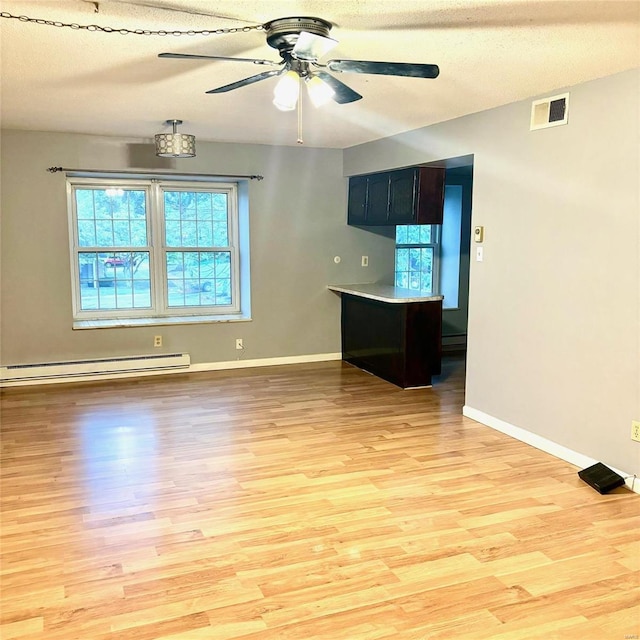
(402, 279)
(223, 265)
(425, 234)
(172, 228)
(111, 217)
(119, 205)
(426, 269)
(222, 275)
(104, 233)
(121, 233)
(205, 235)
(171, 205)
(219, 205)
(174, 264)
(416, 234)
(195, 219)
(189, 234)
(221, 234)
(87, 233)
(414, 269)
(414, 259)
(102, 203)
(413, 234)
(198, 278)
(84, 204)
(117, 280)
(204, 206)
(402, 259)
(137, 205)
(138, 231)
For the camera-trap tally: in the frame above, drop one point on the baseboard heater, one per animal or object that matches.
(93, 367)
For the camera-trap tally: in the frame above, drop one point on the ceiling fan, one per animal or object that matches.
(301, 42)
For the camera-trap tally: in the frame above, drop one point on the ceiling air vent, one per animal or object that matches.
(550, 112)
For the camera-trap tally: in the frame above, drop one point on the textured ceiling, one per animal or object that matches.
(490, 52)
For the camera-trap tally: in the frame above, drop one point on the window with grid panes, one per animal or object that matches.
(417, 256)
(153, 248)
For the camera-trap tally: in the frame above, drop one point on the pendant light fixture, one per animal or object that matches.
(175, 145)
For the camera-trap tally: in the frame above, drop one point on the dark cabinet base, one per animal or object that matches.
(399, 342)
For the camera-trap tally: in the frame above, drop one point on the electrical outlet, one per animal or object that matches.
(157, 341)
(365, 261)
(635, 430)
(239, 344)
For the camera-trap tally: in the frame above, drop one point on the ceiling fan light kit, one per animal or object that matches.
(285, 95)
(287, 91)
(175, 145)
(319, 91)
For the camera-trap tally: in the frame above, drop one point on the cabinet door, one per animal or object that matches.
(378, 198)
(430, 205)
(402, 196)
(372, 337)
(357, 204)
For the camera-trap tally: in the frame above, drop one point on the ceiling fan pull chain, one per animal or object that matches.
(300, 140)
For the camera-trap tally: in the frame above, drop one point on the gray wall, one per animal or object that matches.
(297, 226)
(554, 332)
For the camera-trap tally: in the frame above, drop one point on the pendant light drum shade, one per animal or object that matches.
(175, 145)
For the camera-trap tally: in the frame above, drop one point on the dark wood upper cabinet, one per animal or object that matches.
(430, 195)
(404, 196)
(377, 208)
(357, 200)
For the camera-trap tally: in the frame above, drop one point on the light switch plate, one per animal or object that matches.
(479, 254)
(478, 234)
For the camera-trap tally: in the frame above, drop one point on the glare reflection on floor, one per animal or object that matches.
(118, 452)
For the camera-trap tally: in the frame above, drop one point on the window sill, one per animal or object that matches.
(112, 323)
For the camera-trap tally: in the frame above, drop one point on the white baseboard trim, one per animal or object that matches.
(264, 362)
(548, 446)
(193, 368)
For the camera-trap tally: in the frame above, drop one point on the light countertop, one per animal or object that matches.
(383, 293)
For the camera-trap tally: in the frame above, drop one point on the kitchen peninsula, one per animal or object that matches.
(391, 332)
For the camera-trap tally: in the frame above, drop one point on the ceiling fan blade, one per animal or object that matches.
(247, 81)
(310, 47)
(193, 56)
(413, 70)
(343, 93)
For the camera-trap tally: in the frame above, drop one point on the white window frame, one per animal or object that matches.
(159, 312)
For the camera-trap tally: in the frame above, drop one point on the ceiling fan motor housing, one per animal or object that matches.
(282, 34)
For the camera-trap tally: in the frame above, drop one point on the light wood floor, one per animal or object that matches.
(301, 502)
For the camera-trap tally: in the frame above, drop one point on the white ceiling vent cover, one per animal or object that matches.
(550, 112)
